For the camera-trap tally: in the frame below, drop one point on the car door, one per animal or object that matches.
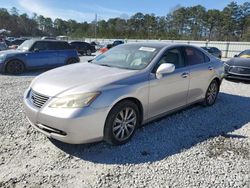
(64, 52)
(201, 72)
(170, 91)
(40, 55)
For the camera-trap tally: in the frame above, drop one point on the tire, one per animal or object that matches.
(88, 53)
(15, 67)
(71, 61)
(211, 93)
(121, 123)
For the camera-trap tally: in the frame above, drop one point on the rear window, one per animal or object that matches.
(195, 56)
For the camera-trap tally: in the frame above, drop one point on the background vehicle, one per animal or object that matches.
(15, 43)
(33, 54)
(8, 43)
(108, 46)
(119, 90)
(3, 46)
(214, 51)
(10, 38)
(83, 48)
(48, 38)
(62, 37)
(96, 44)
(244, 54)
(238, 67)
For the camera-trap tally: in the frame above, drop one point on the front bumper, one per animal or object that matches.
(74, 126)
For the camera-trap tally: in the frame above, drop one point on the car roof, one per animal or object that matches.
(160, 44)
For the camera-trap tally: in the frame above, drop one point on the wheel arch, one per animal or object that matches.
(135, 101)
(217, 80)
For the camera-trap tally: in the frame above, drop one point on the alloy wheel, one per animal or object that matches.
(124, 124)
(212, 93)
(15, 67)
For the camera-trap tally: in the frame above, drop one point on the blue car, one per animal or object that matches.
(35, 54)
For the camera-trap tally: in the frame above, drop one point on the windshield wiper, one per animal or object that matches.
(106, 65)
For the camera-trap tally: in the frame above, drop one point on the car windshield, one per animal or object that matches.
(26, 45)
(134, 57)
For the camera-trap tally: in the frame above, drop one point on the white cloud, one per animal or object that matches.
(88, 14)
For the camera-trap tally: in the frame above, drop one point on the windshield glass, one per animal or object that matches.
(134, 57)
(26, 45)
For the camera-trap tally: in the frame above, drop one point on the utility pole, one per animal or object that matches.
(95, 25)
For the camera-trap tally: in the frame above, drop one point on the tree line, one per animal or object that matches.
(187, 23)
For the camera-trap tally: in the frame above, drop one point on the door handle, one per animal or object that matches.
(210, 68)
(184, 75)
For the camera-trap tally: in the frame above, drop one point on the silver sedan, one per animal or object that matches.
(127, 86)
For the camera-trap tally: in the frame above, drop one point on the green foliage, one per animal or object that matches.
(187, 23)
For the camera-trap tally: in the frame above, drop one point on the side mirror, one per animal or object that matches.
(236, 56)
(164, 69)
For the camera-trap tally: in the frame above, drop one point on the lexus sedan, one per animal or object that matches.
(238, 67)
(120, 90)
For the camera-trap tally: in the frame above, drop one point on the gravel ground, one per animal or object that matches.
(197, 147)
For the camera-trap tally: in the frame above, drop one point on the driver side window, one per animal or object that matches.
(40, 46)
(173, 56)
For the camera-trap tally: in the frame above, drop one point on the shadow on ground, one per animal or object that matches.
(170, 135)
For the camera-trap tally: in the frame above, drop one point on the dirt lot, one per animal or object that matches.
(197, 147)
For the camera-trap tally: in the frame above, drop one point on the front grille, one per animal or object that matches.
(37, 99)
(240, 70)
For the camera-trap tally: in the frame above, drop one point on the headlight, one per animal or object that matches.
(75, 101)
(2, 57)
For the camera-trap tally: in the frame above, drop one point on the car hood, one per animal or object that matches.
(244, 62)
(79, 78)
(10, 52)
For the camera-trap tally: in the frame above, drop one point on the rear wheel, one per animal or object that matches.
(88, 52)
(71, 61)
(121, 123)
(212, 93)
(15, 67)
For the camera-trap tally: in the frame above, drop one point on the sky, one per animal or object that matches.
(85, 10)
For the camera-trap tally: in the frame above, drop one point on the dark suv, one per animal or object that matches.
(34, 54)
(83, 48)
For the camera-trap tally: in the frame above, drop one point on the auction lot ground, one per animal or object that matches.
(197, 147)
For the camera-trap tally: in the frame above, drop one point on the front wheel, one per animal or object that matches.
(88, 53)
(121, 123)
(212, 93)
(15, 67)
